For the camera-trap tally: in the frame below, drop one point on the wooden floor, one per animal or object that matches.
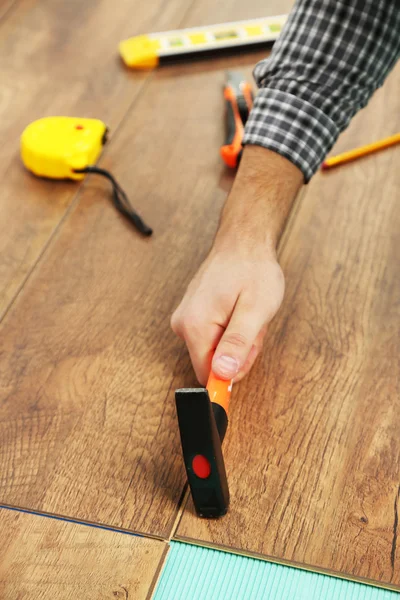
(45, 558)
(88, 365)
(312, 453)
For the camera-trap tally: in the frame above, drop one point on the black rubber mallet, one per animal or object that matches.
(203, 421)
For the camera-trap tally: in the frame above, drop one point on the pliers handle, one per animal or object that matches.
(239, 101)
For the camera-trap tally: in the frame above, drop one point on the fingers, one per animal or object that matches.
(201, 350)
(223, 316)
(235, 347)
(254, 352)
(201, 339)
(254, 309)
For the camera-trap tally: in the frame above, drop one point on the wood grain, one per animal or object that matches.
(87, 357)
(209, 12)
(49, 559)
(56, 58)
(5, 7)
(313, 452)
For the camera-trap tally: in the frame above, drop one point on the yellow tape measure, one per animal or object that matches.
(147, 51)
(56, 147)
(68, 148)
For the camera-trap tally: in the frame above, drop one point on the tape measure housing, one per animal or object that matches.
(54, 146)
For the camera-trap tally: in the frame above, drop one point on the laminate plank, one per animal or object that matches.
(312, 451)
(87, 357)
(56, 58)
(86, 354)
(5, 6)
(49, 559)
(209, 12)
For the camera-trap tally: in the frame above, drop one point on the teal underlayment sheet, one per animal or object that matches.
(195, 573)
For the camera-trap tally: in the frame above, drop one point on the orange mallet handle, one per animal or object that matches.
(219, 391)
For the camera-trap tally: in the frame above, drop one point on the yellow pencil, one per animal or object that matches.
(359, 152)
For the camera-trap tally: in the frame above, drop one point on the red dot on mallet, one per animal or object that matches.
(201, 466)
(79, 127)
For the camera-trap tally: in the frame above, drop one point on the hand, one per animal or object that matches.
(224, 314)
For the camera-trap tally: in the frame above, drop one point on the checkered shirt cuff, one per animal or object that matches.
(291, 127)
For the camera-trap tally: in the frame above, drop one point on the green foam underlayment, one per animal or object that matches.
(195, 573)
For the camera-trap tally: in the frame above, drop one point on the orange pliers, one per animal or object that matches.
(239, 102)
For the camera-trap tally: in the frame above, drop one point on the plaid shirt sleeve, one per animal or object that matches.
(329, 59)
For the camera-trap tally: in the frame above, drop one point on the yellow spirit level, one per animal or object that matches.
(147, 51)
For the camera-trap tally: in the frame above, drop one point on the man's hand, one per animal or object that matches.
(239, 288)
(227, 306)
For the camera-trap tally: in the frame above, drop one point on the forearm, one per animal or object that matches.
(260, 201)
(239, 288)
(315, 81)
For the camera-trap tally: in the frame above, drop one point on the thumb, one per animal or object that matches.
(237, 341)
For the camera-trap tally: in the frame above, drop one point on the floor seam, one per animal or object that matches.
(158, 574)
(181, 507)
(76, 521)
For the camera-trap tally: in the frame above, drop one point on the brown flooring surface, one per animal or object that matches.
(86, 354)
(88, 364)
(312, 452)
(48, 559)
(59, 58)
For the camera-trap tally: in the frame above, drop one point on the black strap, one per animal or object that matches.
(120, 200)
